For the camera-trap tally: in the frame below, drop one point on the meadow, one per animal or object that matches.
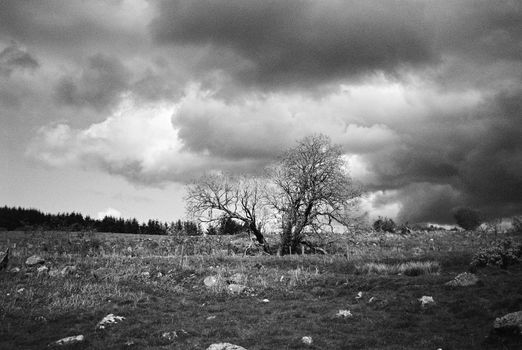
(159, 285)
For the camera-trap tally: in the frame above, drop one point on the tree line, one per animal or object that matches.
(17, 218)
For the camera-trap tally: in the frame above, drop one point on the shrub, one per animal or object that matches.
(383, 224)
(467, 218)
(502, 254)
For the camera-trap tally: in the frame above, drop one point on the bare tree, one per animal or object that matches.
(237, 197)
(311, 190)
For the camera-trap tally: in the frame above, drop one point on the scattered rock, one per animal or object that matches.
(42, 270)
(145, 274)
(70, 340)
(173, 335)
(307, 340)
(510, 323)
(344, 313)
(210, 281)
(464, 279)
(34, 260)
(426, 301)
(108, 320)
(15, 269)
(225, 346)
(236, 288)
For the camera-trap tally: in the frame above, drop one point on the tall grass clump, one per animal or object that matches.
(409, 268)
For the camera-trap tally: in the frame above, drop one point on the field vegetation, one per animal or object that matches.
(158, 284)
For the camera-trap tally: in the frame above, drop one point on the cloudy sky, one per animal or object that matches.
(112, 106)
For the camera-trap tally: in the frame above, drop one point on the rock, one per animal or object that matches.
(265, 301)
(371, 300)
(21, 290)
(34, 260)
(145, 274)
(15, 269)
(225, 346)
(359, 295)
(210, 281)
(510, 323)
(344, 313)
(307, 340)
(464, 279)
(236, 288)
(159, 275)
(108, 320)
(173, 335)
(42, 269)
(210, 318)
(426, 301)
(70, 340)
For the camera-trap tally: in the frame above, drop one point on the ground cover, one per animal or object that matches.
(160, 291)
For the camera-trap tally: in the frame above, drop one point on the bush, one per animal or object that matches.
(467, 218)
(383, 224)
(501, 253)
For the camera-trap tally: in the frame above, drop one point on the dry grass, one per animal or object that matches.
(158, 291)
(409, 268)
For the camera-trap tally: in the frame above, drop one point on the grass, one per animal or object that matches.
(409, 268)
(157, 291)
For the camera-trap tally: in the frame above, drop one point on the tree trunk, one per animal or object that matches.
(259, 236)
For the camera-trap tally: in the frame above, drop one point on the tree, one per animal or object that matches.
(237, 197)
(311, 190)
(468, 218)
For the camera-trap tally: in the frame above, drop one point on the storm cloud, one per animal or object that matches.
(423, 96)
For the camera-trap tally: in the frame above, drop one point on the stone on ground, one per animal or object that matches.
(108, 320)
(34, 260)
(307, 340)
(210, 281)
(511, 322)
(464, 279)
(426, 301)
(344, 313)
(225, 346)
(70, 340)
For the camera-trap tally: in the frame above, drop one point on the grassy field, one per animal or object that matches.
(157, 285)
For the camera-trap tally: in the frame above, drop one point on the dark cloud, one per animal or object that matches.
(286, 43)
(477, 155)
(99, 85)
(13, 57)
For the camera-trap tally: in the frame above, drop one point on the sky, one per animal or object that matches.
(112, 107)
